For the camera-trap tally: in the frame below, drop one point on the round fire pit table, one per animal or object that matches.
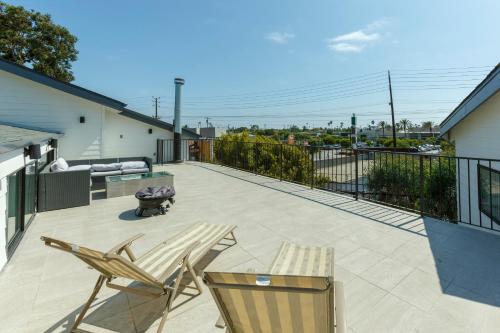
(152, 198)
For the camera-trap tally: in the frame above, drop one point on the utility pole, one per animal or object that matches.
(392, 111)
(155, 100)
(207, 119)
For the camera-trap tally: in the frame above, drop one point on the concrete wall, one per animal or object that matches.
(27, 103)
(476, 136)
(9, 163)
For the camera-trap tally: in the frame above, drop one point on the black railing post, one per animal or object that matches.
(356, 175)
(421, 167)
(281, 162)
(256, 157)
(311, 151)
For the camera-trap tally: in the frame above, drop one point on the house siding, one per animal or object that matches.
(31, 104)
(24, 102)
(135, 140)
(476, 136)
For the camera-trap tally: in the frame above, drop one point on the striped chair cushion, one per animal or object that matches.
(293, 259)
(158, 259)
(251, 308)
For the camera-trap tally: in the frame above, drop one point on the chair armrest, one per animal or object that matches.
(340, 323)
(125, 245)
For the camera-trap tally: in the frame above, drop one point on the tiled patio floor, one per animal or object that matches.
(402, 273)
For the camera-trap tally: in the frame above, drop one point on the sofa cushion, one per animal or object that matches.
(59, 165)
(105, 173)
(79, 167)
(106, 167)
(129, 171)
(134, 165)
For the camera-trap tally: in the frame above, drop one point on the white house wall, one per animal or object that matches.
(27, 103)
(127, 137)
(476, 136)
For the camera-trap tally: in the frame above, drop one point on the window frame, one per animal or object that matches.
(481, 210)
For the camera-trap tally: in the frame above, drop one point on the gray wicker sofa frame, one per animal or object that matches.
(59, 190)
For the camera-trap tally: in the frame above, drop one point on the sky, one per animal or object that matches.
(283, 63)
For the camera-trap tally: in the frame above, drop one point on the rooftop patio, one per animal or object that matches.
(402, 273)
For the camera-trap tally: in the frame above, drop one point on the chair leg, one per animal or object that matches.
(170, 295)
(195, 278)
(220, 322)
(97, 287)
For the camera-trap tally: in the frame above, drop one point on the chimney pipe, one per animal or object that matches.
(177, 121)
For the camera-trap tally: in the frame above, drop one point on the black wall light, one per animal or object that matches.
(33, 151)
(82, 119)
(150, 131)
(53, 143)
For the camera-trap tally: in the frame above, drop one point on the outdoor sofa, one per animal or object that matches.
(64, 184)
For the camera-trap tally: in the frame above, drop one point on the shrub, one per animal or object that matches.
(266, 156)
(395, 179)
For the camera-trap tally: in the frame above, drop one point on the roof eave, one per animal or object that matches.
(66, 87)
(484, 90)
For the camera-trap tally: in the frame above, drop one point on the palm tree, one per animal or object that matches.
(382, 125)
(428, 124)
(405, 123)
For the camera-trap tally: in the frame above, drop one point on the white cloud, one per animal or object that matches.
(280, 37)
(346, 47)
(377, 25)
(357, 36)
(356, 41)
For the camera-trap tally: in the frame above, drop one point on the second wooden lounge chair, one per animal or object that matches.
(161, 268)
(298, 295)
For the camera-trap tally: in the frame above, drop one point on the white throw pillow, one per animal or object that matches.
(134, 165)
(59, 165)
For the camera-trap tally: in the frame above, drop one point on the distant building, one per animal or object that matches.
(474, 128)
(212, 132)
(209, 132)
(421, 135)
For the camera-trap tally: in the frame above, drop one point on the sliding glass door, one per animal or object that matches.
(14, 217)
(21, 202)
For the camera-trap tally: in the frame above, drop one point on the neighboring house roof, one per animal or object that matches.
(78, 91)
(483, 91)
(14, 137)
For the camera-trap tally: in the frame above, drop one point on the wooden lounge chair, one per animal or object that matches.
(161, 268)
(284, 300)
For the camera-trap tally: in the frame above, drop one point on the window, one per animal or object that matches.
(489, 192)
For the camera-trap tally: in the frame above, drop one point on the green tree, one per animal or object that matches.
(405, 124)
(267, 156)
(383, 126)
(31, 38)
(428, 125)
